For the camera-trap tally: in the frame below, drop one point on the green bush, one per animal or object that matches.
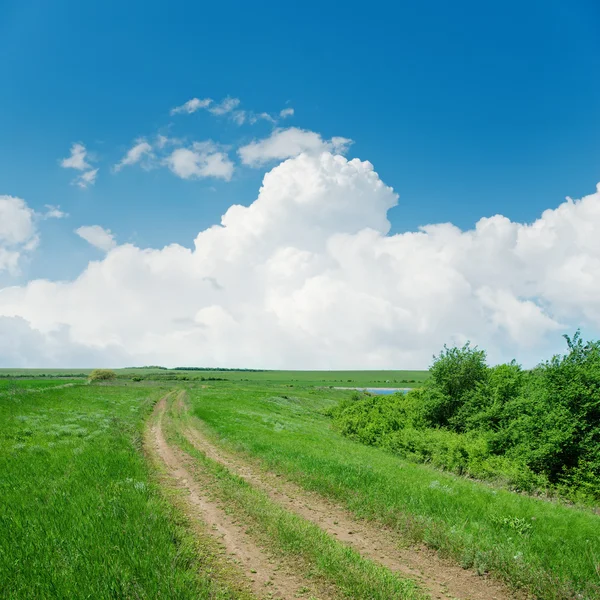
(532, 430)
(102, 375)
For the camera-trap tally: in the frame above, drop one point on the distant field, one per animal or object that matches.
(88, 511)
(312, 378)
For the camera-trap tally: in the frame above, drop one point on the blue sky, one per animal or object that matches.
(466, 109)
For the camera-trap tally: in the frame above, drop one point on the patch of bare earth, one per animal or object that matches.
(442, 579)
(268, 576)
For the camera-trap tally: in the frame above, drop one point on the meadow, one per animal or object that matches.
(90, 508)
(549, 549)
(81, 514)
(311, 378)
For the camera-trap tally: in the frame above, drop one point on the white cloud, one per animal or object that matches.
(286, 143)
(225, 106)
(53, 212)
(78, 160)
(97, 236)
(239, 116)
(203, 159)
(286, 112)
(18, 234)
(228, 106)
(140, 151)
(191, 106)
(308, 276)
(86, 179)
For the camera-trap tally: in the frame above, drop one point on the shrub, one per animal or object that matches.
(102, 375)
(530, 429)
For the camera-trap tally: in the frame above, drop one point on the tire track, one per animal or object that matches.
(442, 579)
(267, 577)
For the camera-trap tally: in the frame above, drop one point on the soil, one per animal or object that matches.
(267, 576)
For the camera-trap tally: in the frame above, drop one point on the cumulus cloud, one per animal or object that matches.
(18, 234)
(308, 276)
(202, 159)
(138, 152)
(286, 143)
(191, 106)
(78, 160)
(97, 236)
(286, 112)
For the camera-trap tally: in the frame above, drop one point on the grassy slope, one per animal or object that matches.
(79, 513)
(552, 550)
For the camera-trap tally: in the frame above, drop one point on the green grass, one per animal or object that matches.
(17, 385)
(80, 514)
(354, 576)
(320, 378)
(550, 549)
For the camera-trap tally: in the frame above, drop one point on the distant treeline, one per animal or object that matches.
(535, 430)
(148, 367)
(170, 376)
(225, 369)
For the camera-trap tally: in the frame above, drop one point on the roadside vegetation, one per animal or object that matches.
(536, 431)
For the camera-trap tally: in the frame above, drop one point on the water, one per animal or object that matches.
(377, 391)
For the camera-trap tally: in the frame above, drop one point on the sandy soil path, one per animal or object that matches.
(267, 576)
(440, 578)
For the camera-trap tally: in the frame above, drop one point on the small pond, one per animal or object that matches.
(378, 391)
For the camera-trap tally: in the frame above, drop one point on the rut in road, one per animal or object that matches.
(268, 577)
(440, 578)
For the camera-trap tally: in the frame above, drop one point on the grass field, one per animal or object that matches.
(551, 550)
(80, 514)
(16, 385)
(87, 510)
(311, 378)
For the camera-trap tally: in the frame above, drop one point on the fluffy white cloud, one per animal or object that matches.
(286, 143)
(286, 112)
(203, 159)
(139, 151)
(191, 106)
(97, 236)
(78, 160)
(18, 233)
(308, 276)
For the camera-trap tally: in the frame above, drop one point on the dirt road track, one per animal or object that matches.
(267, 576)
(440, 578)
